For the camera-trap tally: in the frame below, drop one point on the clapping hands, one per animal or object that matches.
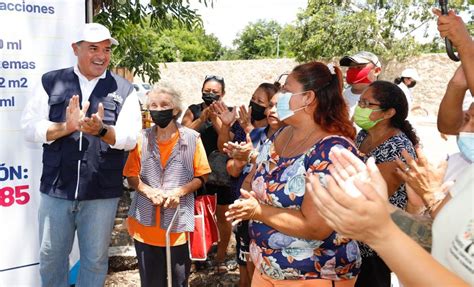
(423, 179)
(76, 119)
(245, 118)
(360, 213)
(74, 114)
(220, 109)
(239, 151)
(244, 208)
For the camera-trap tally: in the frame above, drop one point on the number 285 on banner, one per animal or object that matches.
(11, 194)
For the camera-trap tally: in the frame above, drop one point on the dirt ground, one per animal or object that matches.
(206, 277)
(202, 278)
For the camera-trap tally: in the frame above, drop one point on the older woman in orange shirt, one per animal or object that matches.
(168, 164)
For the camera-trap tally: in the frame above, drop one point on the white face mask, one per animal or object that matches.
(283, 105)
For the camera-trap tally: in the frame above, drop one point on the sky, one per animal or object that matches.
(229, 17)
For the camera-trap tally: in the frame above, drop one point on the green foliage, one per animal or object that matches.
(137, 51)
(286, 36)
(263, 39)
(147, 47)
(137, 27)
(436, 46)
(193, 45)
(470, 23)
(330, 28)
(169, 30)
(324, 31)
(229, 54)
(162, 13)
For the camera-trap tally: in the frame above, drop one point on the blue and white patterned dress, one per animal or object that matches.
(389, 150)
(280, 182)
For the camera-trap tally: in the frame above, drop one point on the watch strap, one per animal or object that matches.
(103, 131)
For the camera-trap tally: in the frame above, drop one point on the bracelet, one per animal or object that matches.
(251, 154)
(436, 199)
(432, 199)
(252, 214)
(433, 206)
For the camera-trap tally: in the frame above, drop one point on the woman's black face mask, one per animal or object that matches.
(209, 98)
(412, 84)
(258, 111)
(162, 118)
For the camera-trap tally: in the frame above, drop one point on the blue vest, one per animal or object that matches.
(100, 166)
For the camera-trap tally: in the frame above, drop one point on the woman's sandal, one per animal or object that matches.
(220, 267)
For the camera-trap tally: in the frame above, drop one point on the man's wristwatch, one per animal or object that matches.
(103, 131)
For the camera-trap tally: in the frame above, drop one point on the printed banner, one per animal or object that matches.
(35, 37)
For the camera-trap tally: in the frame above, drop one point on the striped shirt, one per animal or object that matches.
(178, 171)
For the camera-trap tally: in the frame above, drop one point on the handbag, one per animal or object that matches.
(205, 232)
(218, 163)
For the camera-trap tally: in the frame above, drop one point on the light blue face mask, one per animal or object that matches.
(466, 145)
(283, 105)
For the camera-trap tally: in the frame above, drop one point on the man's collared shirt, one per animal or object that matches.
(35, 118)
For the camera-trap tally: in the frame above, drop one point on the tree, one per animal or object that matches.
(229, 54)
(470, 23)
(193, 45)
(263, 39)
(127, 19)
(174, 44)
(329, 28)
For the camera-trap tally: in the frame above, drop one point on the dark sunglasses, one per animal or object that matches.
(282, 78)
(214, 77)
(280, 81)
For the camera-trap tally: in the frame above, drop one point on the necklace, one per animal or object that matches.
(289, 139)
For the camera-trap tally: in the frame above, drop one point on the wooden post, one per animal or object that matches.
(124, 72)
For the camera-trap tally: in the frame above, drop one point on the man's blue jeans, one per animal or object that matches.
(58, 220)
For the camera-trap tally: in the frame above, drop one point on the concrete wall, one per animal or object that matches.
(242, 77)
(435, 71)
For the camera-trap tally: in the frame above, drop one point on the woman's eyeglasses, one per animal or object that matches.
(366, 104)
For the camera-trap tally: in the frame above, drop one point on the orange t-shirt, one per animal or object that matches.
(154, 235)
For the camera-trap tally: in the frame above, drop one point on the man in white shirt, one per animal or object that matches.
(363, 69)
(86, 117)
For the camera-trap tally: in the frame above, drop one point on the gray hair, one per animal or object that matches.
(176, 97)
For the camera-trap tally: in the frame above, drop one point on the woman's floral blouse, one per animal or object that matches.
(280, 182)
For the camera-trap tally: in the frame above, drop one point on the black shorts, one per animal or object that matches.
(373, 273)
(225, 196)
(242, 242)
